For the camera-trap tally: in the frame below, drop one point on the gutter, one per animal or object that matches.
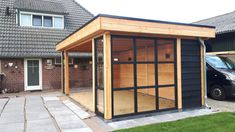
(205, 75)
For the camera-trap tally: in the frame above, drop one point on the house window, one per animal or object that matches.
(58, 22)
(58, 61)
(25, 20)
(47, 21)
(37, 20)
(41, 20)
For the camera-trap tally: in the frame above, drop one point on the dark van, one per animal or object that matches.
(220, 77)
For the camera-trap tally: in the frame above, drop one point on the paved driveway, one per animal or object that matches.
(227, 105)
(33, 114)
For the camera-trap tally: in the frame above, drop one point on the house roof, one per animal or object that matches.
(40, 6)
(21, 42)
(224, 23)
(109, 23)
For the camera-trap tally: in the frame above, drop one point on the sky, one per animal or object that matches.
(185, 11)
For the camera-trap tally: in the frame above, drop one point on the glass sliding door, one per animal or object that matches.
(143, 75)
(99, 81)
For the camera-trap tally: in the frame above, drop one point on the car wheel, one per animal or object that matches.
(217, 92)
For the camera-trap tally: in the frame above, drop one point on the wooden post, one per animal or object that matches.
(62, 73)
(179, 74)
(66, 72)
(202, 77)
(107, 77)
(93, 74)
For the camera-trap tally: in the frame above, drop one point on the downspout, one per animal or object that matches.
(205, 75)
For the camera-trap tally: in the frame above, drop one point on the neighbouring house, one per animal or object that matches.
(225, 33)
(29, 31)
(139, 66)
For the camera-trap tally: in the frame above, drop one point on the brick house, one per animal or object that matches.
(29, 31)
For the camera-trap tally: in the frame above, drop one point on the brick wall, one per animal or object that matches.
(80, 75)
(14, 75)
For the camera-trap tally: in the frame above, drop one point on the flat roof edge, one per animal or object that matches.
(136, 19)
(151, 20)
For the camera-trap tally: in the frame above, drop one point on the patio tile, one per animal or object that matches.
(12, 127)
(78, 130)
(44, 125)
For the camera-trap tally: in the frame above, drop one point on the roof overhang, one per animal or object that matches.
(107, 23)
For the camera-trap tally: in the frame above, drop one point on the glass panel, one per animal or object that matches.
(123, 102)
(166, 96)
(37, 20)
(99, 75)
(25, 20)
(166, 74)
(122, 49)
(123, 75)
(58, 22)
(100, 100)
(165, 50)
(145, 74)
(47, 21)
(33, 72)
(146, 99)
(145, 50)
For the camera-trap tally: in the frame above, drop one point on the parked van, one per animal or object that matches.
(220, 77)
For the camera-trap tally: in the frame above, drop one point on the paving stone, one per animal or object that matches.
(123, 124)
(50, 98)
(78, 130)
(44, 125)
(75, 124)
(12, 127)
(37, 116)
(11, 119)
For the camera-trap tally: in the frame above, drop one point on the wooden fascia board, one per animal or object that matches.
(79, 36)
(133, 26)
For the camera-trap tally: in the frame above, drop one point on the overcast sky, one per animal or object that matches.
(186, 11)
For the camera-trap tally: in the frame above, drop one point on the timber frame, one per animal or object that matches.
(107, 26)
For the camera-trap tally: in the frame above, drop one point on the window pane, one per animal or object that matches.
(123, 75)
(146, 99)
(47, 21)
(145, 50)
(145, 74)
(58, 22)
(166, 74)
(165, 50)
(123, 102)
(25, 20)
(122, 49)
(37, 20)
(166, 97)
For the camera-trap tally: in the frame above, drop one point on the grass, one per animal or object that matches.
(219, 122)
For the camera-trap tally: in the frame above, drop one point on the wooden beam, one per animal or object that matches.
(179, 74)
(66, 72)
(202, 77)
(93, 74)
(107, 24)
(107, 77)
(80, 36)
(134, 26)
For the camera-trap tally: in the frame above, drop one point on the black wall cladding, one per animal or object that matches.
(191, 73)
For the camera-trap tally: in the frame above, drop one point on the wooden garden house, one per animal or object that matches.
(139, 65)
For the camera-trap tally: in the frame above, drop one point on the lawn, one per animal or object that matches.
(219, 122)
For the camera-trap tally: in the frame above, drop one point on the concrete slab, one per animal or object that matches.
(78, 130)
(44, 125)
(75, 124)
(50, 98)
(12, 127)
(12, 119)
(37, 116)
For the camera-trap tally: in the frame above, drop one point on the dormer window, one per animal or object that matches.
(41, 20)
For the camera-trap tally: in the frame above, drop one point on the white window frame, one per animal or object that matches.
(41, 14)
